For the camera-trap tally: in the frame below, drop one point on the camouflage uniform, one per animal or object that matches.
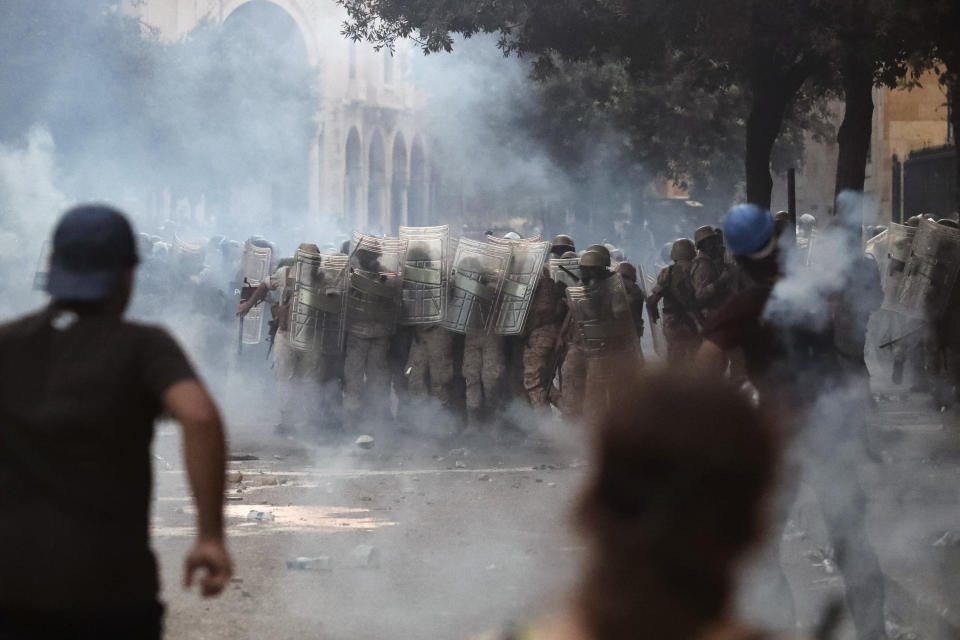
(675, 287)
(709, 280)
(540, 343)
(366, 380)
(484, 365)
(430, 365)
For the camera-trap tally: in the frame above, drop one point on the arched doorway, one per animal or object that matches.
(417, 214)
(377, 221)
(353, 179)
(398, 184)
(267, 96)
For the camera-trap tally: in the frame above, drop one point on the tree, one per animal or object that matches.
(768, 50)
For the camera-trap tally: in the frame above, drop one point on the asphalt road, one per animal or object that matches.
(469, 536)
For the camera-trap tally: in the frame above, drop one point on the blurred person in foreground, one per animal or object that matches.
(794, 353)
(81, 390)
(682, 469)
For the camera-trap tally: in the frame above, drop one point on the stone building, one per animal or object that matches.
(904, 120)
(369, 164)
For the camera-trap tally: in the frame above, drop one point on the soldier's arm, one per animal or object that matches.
(706, 282)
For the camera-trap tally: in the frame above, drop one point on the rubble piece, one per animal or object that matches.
(261, 516)
(317, 563)
(241, 457)
(484, 477)
(948, 539)
(268, 481)
(234, 476)
(364, 442)
(234, 498)
(551, 484)
(462, 452)
(459, 465)
(365, 556)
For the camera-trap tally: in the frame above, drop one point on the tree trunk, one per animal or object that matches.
(769, 102)
(954, 98)
(853, 137)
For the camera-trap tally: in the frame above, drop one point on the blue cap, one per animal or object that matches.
(749, 231)
(92, 246)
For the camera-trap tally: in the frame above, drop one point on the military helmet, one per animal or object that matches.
(601, 248)
(682, 249)
(569, 254)
(913, 221)
(807, 220)
(947, 222)
(564, 242)
(592, 258)
(781, 216)
(307, 247)
(512, 235)
(704, 232)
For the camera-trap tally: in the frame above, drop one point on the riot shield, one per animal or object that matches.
(510, 241)
(930, 272)
(899, 244)
(656, 328)
(318, 304)
(565, 271)
(876, 248)
(519, 283)
(254, 268)
(603, 316)
(424, 296)
(476, 280)
(188, 256)
(43, 266)
(374, 285)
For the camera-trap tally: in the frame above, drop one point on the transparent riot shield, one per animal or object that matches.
(374, 285)
(519, 284)
(930, 272)
(876, 248)
(424, 296)
(476, 280)
(565, 271)
(899, 246)
(318, 303)
(603, 316)
(254, 268)
(656, 328)
(43, 266)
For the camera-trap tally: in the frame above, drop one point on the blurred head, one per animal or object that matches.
(682, 469)
(94, 257)
(594, 265)
(682, 249)
(627, 271)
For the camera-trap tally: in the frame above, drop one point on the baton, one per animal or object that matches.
(569, 273)
(896, 340)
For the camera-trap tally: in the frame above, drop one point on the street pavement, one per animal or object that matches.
(422, 538)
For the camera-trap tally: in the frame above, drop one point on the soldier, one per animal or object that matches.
(291, 365)
(371, 320)
(606, 325)
(635, 294)
(709, 277)
(484, 366)
(540, 339)
(681, 321)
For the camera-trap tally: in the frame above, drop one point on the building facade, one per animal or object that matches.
(369, 164)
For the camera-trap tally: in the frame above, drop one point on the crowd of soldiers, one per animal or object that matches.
(466, 326)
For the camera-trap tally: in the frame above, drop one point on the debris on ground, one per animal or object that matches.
(462, 452)
(459, 465)
(261, 516)
(234, 476)
(234, 498)
(241, 457)
(948, 539)
(551, 484)
(317, 563)
(484, 477)
(365, 556)
(822, 557)
(364, 442)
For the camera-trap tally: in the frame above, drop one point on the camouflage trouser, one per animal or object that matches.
(682, 340)
(366, 381)
(430, 365)
(539, 359)
(573, 380)
(484, 364)
(299, 374)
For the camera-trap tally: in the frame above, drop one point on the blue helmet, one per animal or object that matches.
(749, 231)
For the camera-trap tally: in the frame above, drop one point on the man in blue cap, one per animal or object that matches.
(81, 390)
(795, 365)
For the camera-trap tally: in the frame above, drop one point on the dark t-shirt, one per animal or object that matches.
(78, 399)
